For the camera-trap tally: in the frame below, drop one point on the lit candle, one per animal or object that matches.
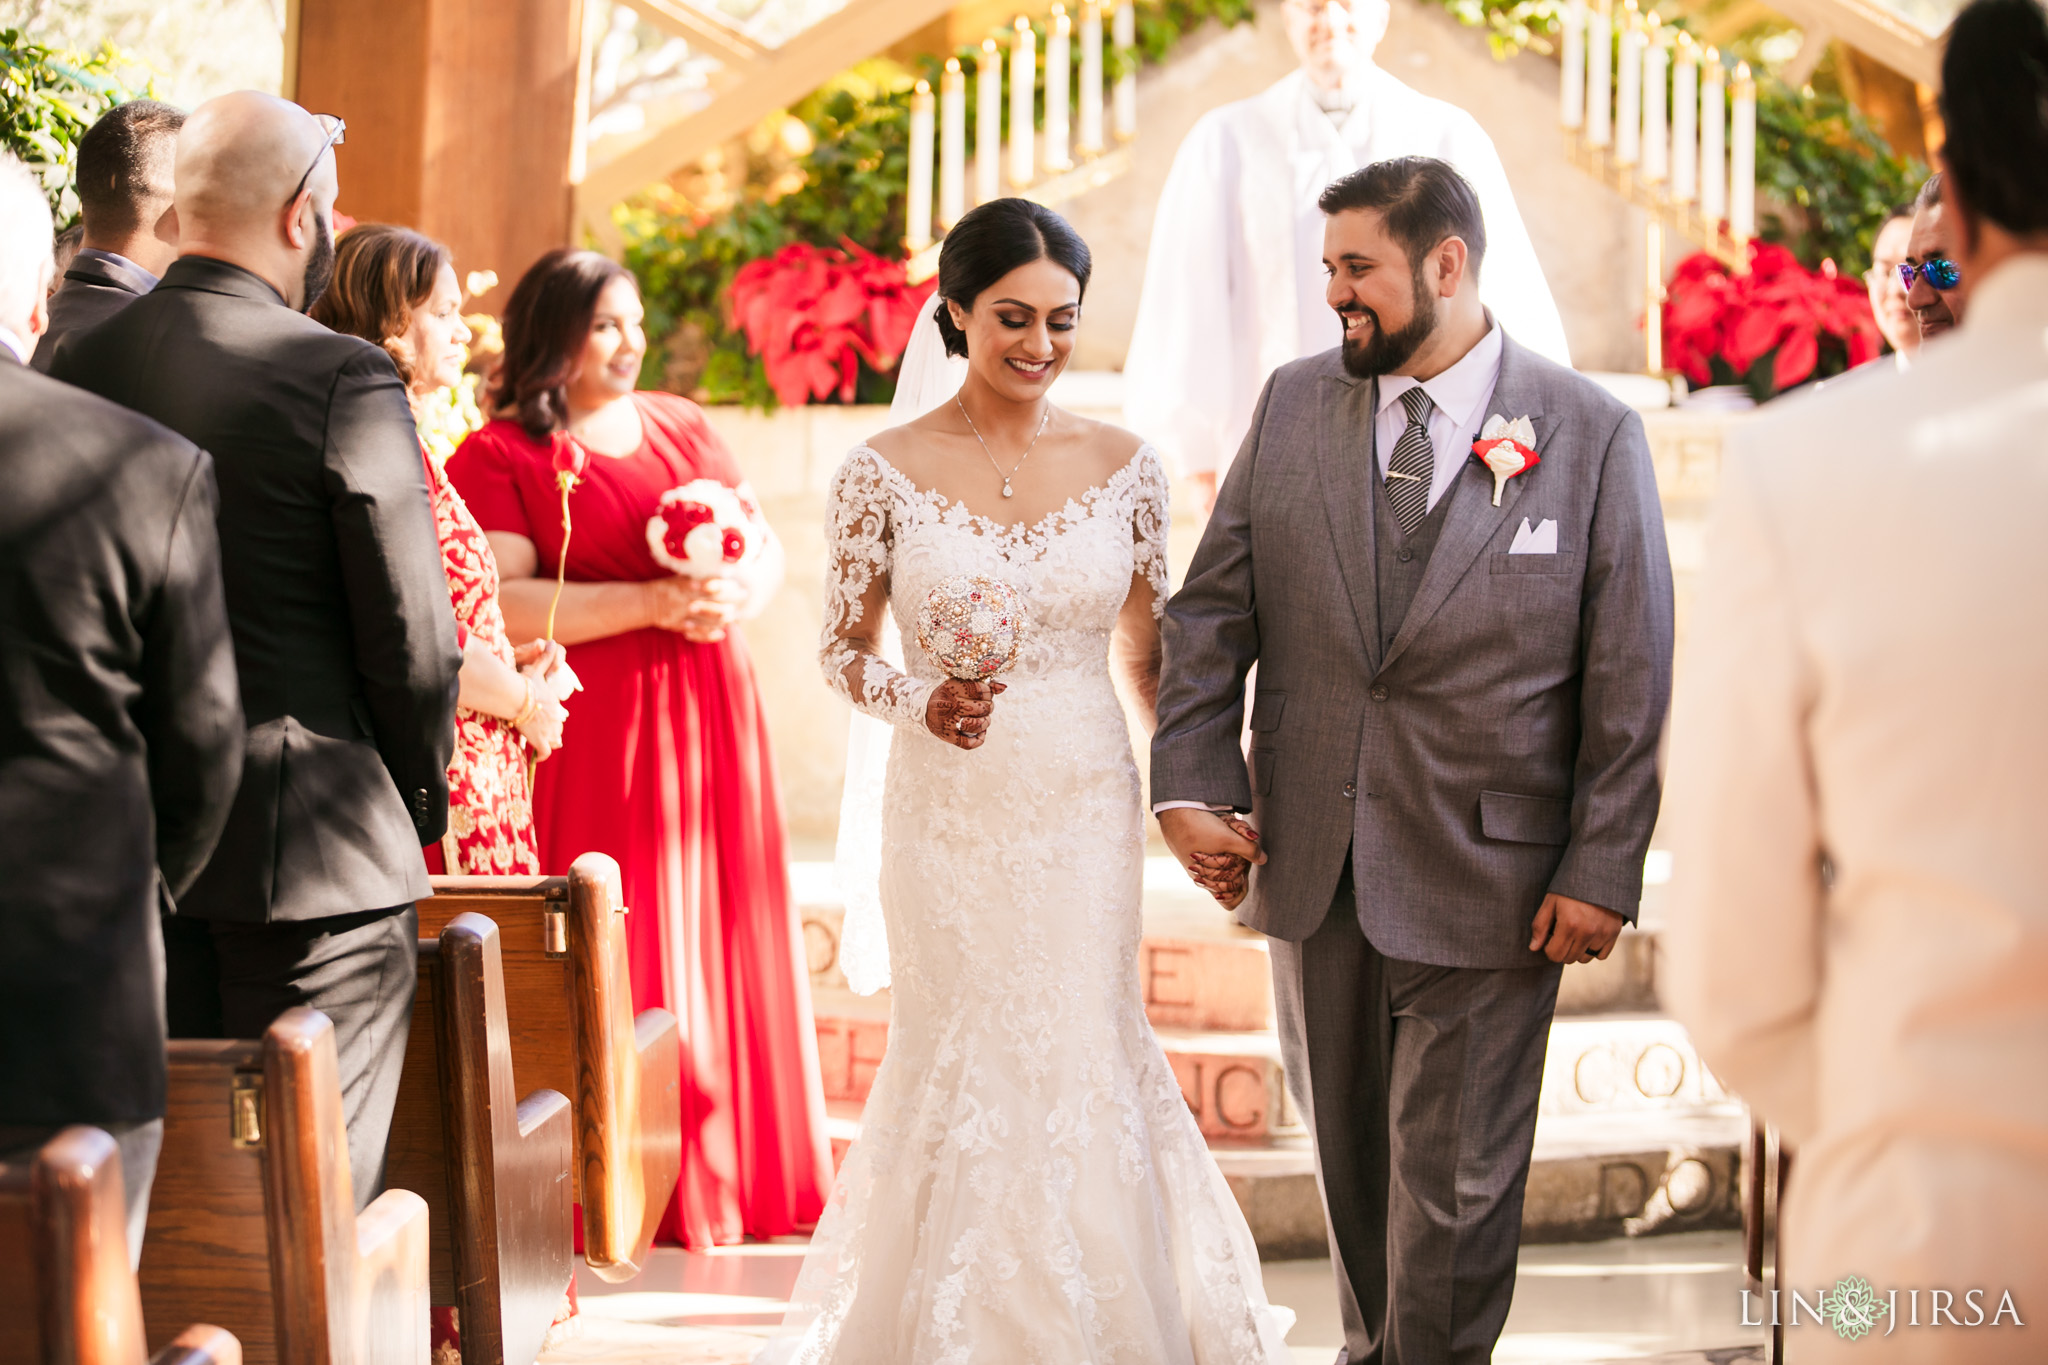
(1091, 79)
(1599, 90)
(1124, 32)
(1059, 65)
(1628, 89)
(917, 213)
(1685, 122)
(1656, 154)
(1023, 98)
(988, 123)
(1713, 141)
(952, 144)
(1572, 63)
(1742, 156)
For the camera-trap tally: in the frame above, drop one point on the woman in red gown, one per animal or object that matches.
(665, 763)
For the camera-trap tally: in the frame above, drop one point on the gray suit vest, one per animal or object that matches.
(1401, 558)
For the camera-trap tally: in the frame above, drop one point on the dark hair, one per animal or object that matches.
(989, 242)
(381, 273)
(1423, 201)
(1930, 193)
(545, 323)
(116, 158)
(1994, 100)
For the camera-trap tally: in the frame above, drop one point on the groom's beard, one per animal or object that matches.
(1383, 352)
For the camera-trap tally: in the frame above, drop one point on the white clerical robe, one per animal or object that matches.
(1234, 282)
(1861, 692)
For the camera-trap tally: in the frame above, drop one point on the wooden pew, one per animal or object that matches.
(569, 1002)
(495, 1174)
(252, 1221)
(67, 1296)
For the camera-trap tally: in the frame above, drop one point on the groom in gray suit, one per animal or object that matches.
(1462, 672)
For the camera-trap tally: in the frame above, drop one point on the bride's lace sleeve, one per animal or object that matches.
(857, 594)
(1149, 520)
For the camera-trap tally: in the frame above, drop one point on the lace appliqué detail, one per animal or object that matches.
(1029, 1187)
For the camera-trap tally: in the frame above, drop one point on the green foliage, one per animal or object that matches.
(48, 99)
(848, 186)
(1825, 177)
(1511, 25)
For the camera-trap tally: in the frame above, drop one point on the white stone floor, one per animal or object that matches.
(1670, 1299)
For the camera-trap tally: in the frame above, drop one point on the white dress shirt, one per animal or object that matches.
(1460, 395)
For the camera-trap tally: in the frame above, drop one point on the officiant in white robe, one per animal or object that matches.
(1234, 281)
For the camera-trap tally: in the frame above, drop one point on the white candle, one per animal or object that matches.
(1572, 65)
(952, 144)
(1090, 143)
(1742, 156)
(1628, 89)
(1059, 65)
(1599, 90)
(988, 121)
(917, 213)
(1713, 141)
(1124, 32)
(1685, 122)
(1656, 154)
(1023, 101)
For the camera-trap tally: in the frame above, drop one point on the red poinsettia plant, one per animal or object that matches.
(1775, 328)
(814, 314)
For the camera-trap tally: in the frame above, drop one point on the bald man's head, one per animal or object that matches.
(242, 159)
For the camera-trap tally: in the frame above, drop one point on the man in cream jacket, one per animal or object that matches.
(1234, 281)
(1858, 792)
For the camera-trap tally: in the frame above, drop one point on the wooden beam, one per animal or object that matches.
(680, 19)
(1873, 31)
(798, 67)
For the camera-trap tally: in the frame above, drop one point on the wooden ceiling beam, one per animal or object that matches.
(681, 19)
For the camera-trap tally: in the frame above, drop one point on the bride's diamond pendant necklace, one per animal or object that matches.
(991, 454)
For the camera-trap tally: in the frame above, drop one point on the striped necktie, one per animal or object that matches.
(1413, 466)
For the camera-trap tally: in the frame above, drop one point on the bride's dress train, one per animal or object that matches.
(1029, 1185)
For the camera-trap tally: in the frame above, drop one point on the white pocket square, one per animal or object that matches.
(1541, 541)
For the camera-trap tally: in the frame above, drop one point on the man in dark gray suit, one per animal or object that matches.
(120, 732)
(131, 227)
(344, 637)
(1462, 672)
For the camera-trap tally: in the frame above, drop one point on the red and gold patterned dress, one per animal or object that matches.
(490, 804)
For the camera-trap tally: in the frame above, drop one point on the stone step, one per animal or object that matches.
(1232, 1081)
(1200, 969)
(1633, 1135)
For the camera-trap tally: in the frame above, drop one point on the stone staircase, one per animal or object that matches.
(1633, 1134)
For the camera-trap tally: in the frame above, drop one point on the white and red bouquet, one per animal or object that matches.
(705, 529)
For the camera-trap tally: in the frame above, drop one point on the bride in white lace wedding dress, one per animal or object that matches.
(1029, 1185)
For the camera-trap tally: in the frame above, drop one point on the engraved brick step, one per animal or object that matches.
(1232, 1081)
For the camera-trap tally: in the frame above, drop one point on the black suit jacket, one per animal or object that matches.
(94, 290)
(344, 637)
(120, 740)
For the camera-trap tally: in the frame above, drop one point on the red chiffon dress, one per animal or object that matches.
(665, 765)
(490, 805)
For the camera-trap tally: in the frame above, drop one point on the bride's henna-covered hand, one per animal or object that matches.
(960, 712)
(1225, 876)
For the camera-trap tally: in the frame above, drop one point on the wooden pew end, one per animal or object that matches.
(201, 1345)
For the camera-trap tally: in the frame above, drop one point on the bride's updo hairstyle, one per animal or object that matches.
(989, 242)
